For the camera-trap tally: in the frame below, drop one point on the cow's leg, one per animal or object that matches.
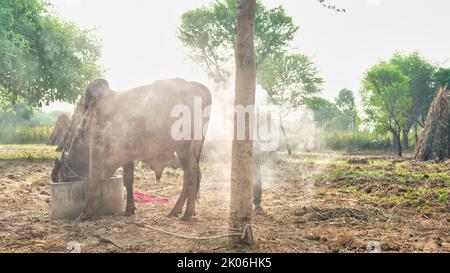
(96, 169)
(191, 171)
(128, 180)
(178, 208)
(91, 191)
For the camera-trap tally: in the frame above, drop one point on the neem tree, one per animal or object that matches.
(386, 99)
(209, 34)
(43, 59)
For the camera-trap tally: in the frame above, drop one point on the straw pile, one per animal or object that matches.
(60, 129)
(435, 141)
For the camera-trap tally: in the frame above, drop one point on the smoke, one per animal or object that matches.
(302, 136)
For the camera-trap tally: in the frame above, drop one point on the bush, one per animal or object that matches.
(357, 140)
(25, 135)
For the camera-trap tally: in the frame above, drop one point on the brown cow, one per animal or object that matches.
(119, 128)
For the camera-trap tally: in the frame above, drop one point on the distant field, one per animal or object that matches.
(25, 135)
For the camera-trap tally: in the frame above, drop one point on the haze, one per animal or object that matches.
(140, 44)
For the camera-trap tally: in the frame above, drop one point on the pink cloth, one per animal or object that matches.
(142, 198)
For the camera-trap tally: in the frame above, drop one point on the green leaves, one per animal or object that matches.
(421, 86)
(289, 80)
(208, 33)
(339, 116)
(43, 59)
(442, 77)
(386, 97)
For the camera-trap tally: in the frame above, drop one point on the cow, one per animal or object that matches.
(119, 128)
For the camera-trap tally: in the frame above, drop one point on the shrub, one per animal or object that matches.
(25, 135)
(357, 140)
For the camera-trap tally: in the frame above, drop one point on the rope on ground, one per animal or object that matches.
(242, 232)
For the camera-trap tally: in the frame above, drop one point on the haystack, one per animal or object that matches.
(435, 141)
(60, 129)
(74, 125)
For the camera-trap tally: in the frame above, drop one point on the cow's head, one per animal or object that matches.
(73, 168)
(75, 165)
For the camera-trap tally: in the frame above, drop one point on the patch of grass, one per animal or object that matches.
(139, 167)
(171, 171)
(410, 183)
(31, 152)
(443, 197)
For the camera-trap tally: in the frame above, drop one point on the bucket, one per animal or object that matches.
(69, 198)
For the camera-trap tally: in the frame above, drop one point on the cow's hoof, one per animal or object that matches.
(84, 217)
(174, 213)
(188, 217)
(259, 210)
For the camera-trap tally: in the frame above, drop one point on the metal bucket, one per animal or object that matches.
(69, 198)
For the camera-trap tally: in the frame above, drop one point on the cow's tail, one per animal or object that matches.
(199, 177)
(207, 103)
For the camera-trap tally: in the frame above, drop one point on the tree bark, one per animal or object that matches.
(416, 135)
(395, 142)
(241, 206)
(288, 147)
(405, 139)
(398, 144)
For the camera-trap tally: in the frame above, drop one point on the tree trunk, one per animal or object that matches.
(396, 136)
(405, 139)
(395, 142)
(288, 147)
(416, 135)
(241, 206)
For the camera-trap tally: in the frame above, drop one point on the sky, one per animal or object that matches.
(140, 44)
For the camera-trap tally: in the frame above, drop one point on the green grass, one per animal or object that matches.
(28, 152)
(25, 135)
(416, 184)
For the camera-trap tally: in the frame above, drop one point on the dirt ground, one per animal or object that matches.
(314, 202)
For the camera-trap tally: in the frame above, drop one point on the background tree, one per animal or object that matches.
(348, 116)
(15, 115)
(421, 89)
(241, 207)
(43, 59)
(323, 110)
(386, 99)
(209, 34)
(290, 80)
(442, 77)
(341, 115)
